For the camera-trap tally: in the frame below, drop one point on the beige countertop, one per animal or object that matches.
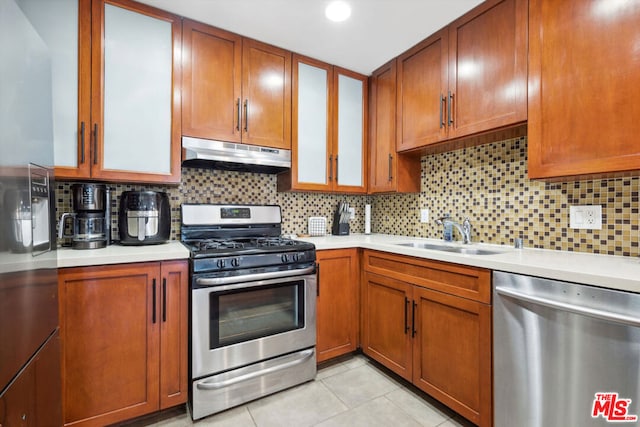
(615, 272)
(608, 271)
(118, 254)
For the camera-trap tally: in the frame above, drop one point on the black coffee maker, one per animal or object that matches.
(89, 227)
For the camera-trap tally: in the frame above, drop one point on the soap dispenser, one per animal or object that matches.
(447, 233)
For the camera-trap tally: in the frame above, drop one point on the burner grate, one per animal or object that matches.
(208, 244)
(273, 241)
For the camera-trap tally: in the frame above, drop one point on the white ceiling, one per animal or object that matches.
(377, 31)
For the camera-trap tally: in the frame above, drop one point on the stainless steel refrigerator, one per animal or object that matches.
(30, 391)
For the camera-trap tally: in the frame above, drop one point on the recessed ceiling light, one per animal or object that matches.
(338, 11)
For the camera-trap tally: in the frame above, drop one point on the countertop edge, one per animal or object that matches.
(118, 254)
(608, 271)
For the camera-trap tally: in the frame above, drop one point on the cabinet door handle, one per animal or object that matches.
(331, 168)
(153, 315)
(81, 142)
(95, 143)
(336, 168)
(317, 279)
(406, 315)
(164, 299)
(413, 319)
(238, 114)
(390, 167)
(450, 109)
(246, 115)
(443, 100)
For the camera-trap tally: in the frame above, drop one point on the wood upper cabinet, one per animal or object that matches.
(266, 89)
(422, 90)
(430, 322)
(388, 171)
(212, 82)
(337, 319)
(584, 88)
(329, 129)
(235, 89)
(468, 78)
(124, 124)
(488, 68)
(124, 340)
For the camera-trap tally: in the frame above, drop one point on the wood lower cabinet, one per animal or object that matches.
(584, 88)
(452, 352)
(338, 303)
(33, 396)
(386, 331)
(124, 340)
(430, 322)
(174, 338)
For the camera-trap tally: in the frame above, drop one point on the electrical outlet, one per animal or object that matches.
(587, 217)
(352, 213)
(424, 215)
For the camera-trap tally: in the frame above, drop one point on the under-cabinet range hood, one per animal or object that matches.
(206, 153)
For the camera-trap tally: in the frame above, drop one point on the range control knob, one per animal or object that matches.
(221, 263)
(284, 258)
(235, 262)
(296, 257)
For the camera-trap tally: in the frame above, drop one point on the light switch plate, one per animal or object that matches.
(352, 213)
(424, 215)
(587, 217)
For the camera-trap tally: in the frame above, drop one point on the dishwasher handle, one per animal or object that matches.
(608, 316)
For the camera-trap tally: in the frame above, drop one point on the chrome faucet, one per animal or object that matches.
(464, 229)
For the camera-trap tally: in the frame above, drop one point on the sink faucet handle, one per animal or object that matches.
(440, 220)
(466, 227)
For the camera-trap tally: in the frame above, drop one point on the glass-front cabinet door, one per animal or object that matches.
(65, 28)
(311, 130)
(113, 64)
(350, 142)
(328, 131)
(134, 116)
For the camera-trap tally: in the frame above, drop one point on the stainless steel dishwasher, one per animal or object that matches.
(564, 354)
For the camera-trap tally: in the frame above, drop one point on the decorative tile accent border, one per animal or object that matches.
(487, 183)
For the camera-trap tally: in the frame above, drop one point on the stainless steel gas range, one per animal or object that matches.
(253, 305)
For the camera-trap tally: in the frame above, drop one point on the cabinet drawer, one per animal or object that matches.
(468, 282)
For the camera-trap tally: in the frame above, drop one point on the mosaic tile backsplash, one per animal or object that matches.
(486, 183)
(489, 185)
(214, 186)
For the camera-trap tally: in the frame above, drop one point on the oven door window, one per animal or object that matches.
(246, 314)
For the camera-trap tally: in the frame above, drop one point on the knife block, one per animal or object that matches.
(338, 228)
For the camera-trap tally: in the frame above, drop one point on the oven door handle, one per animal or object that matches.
(216, 281)
(215, 385)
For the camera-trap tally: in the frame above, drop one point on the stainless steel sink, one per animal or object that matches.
(447, 248)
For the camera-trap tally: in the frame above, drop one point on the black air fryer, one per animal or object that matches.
(144, 218)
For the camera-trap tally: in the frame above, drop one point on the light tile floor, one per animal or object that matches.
(350, 392)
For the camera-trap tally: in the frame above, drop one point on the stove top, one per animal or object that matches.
(216, 247)
(240, 239)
